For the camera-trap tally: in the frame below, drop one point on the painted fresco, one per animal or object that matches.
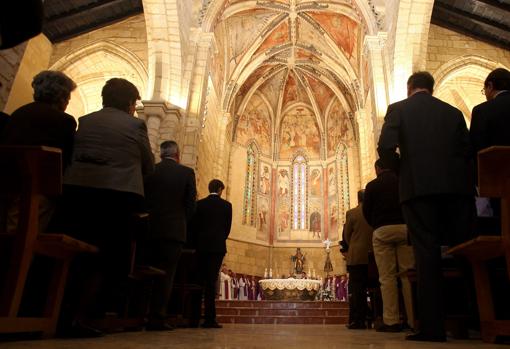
(243, 30)
(299, 131)
(263, 219)
(265, 178)
(343, 30)
(278, 36)
(316, 181)
(339, 128)
(283, 183)
(333, 213)
(255, 124)
(306, 57)
(315, 220)
(321, 93)
(271, 88)
(308, 35)
(290, 93)
(252, 79)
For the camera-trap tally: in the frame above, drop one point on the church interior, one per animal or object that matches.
(282, 100)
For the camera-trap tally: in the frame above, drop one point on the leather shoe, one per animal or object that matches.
(389, 328)
(159, 326)
(211, 325)
(422, 337)
(356, 326)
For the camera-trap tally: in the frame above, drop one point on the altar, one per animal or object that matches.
(290, 289)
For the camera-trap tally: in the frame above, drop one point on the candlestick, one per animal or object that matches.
(270, 273)
(265, 273)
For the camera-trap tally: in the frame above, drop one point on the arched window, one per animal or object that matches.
(343, 180)
(250, 186)
(299, 193)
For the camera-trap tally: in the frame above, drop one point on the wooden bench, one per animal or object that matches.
(28, 172)
(493, 181)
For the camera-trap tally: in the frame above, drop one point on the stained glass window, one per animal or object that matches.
(343, 181)
(299, 193)
(250, 186)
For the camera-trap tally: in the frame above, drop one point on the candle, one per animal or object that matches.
(270, 272)
(265, 273)
(313, 273)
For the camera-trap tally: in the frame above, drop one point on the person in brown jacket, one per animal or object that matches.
(357, 235)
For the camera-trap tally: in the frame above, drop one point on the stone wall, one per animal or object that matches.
(445, 45)
(9, 61)
(35, 59)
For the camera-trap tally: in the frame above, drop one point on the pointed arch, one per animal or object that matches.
(299, 192)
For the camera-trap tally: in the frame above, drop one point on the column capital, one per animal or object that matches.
(375, 42)
(158, 108)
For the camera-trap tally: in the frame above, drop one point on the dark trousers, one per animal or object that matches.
(209, 267)
(164, 254)
(97, 282)
(434, 221)
(358, 279)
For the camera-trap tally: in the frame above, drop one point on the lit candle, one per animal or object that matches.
(265, 273)
(270, 273)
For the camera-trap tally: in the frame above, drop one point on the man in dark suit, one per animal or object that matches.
(170, 194)
(435, 187)
(490, 121)
(211, 226)
(357, 234)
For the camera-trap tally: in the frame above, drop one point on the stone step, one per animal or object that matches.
(282, 304)
(305, 320)
(281, 312)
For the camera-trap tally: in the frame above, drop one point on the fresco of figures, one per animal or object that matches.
(333, 213)
(316, 181)
(315, 221)
(299, 131)
(262, 223)
(265, 179)
(254, 125)
(339, 128)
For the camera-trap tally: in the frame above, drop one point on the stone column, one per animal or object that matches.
(163, 122)
(366, 146)
(374, 49)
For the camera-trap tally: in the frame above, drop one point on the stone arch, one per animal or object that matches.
(460, 80)
(92, 65)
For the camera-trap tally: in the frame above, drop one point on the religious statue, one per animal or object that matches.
(328, 266)
(299, 261)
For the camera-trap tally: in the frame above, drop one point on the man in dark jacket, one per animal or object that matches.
(392, 251)
(490, 121)
(436, 191)
(170, 194)
(211, 226)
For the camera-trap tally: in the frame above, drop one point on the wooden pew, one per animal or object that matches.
(29, 172)
(493, 181)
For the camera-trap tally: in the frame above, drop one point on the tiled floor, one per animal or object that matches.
(250, 336)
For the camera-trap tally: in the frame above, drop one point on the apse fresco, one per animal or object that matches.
(343, 30)
(254, 124)
(333, 213)
(308, 35)
(291, 91)
(315, 220)
(322, 93)
(262, 224)
(316, 181)
(271, 88)
(339, 129)
(264, 178)
(248, 26)
(278, 36)
(299, 131)
(256, 75)
(218, 62)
